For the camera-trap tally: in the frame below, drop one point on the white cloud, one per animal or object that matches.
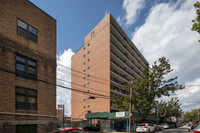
(64, 79)
(133, 8)
(189, 96)
(167, 32)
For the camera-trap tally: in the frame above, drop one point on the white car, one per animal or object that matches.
(165, 126)
(145, 127)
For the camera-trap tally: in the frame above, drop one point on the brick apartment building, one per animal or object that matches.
(27, 68)
(107, 60)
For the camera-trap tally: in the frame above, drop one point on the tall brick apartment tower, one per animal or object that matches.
(27, 68)
(107, 60)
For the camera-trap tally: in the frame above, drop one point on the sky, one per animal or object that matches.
(157, 28)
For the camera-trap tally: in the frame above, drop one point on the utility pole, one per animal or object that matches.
(130, 116)
(63, 117)
(157, 113)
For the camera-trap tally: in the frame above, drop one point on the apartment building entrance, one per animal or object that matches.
(26, 128)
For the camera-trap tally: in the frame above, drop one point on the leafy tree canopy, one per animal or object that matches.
(196, 21)
(192, 116)
(151, 85)
(166, 109)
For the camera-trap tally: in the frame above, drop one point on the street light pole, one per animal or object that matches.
(131, 90)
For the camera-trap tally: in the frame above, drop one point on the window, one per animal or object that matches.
(25, 67)
(88, 68)
(88, 44)
(84, 77)
(84, 85)
(88, 52)
(26, 99)
(83, 48)
(84, 55)
(84, 107)
(88, 60)
(92, 34)
(88, 75)
(84, 70)
(84, 63)
(88, 106)
(88, 83)
(84, 99)
(26, 30)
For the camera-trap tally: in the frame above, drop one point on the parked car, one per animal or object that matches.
(197, 129)
(92, 127)
(156, 128)
(172, 125)
(145, 127)
(165, 126)
(160, 128)
(70, 130)
(194, 125)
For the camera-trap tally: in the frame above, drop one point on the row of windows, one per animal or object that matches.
(26, 99)
(85, 106)
(85, 99)
(84, 85)
(88, 68)
(26, 67)
(85, 61)
(85, 47)
(87, 53)
(26, 30)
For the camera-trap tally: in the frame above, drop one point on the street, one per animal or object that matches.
(183, 129)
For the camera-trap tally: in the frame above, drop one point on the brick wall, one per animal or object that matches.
(43, 51)
(98, 81)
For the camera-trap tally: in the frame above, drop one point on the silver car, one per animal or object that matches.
(145, 127)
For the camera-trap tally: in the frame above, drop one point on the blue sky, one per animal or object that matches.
(157, 28)
(76, 18)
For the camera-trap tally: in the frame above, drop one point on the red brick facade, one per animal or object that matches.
(107, 60)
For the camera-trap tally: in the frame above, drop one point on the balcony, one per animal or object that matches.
(122, 57)
(119, 77)
(129, 47)
(116, 60)
(117, 92)
(128, 55)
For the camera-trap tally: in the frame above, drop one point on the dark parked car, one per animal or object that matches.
(92, 127)
(70, 130)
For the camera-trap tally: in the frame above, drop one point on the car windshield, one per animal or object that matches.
(142, 124)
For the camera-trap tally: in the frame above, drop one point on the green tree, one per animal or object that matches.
(192, 116)
(168, 109)
(151, 85)
(196, 21)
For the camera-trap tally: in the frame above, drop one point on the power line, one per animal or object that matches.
(72, 89)
(43, 73)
